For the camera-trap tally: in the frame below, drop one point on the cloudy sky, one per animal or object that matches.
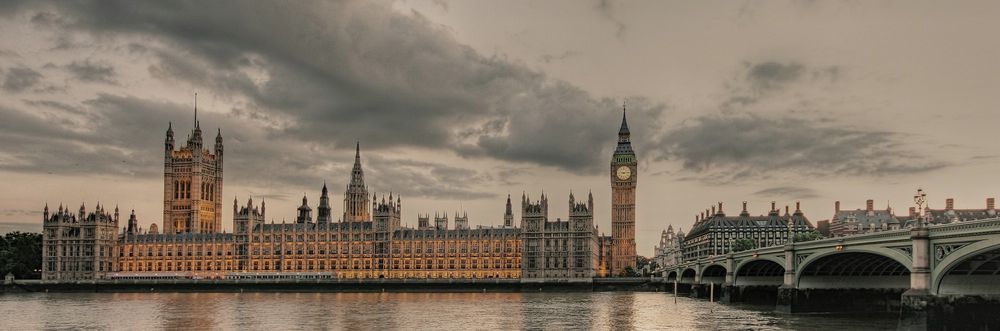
(458, 103)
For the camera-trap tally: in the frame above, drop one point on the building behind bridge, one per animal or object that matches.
(870, 220)
(715, 233)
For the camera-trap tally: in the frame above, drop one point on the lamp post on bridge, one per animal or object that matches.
(915, 300)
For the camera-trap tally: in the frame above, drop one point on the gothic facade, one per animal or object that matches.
(624, 171)
(192, 184)
(368, 241)
(562, 250)
(81, 245)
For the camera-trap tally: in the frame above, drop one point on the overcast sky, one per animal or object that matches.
(457, 104)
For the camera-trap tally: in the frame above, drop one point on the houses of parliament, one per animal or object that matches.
(367, 241)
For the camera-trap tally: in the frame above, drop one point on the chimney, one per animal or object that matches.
(772, 206)
(786, 209)
(836, 207)
(870, 205)
(949, 204)
(990, 204)
(713, 210)
(720, 207)
(797, 206)
(744, 206)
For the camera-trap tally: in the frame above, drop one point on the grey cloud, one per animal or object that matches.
(790, 192)
(20, 212)
(345, 71)
(426, 179)
(20, 78)
(606, 8)
(764, 79)
(9, 53)
(549, 58)
(92, 72)
(728, 148)
(770, 75)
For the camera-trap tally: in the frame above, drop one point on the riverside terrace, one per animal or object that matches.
(933, 275)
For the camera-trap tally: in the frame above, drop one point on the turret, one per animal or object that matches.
(323, 211)
(508, 215)
(305, 213)
(218, 144)
(169, 143)
(45, 213)
(133, 223)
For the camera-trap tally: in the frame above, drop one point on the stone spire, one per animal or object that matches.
(356, 203)
(508, 215)
(323, 211)
(624, 139)
(623, 131)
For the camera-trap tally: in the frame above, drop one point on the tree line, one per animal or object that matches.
(21, 255)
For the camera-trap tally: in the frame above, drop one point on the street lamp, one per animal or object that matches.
(921, 200)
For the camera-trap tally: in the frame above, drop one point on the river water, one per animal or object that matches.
(410, 311)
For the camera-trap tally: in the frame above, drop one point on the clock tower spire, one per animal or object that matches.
(623, 182)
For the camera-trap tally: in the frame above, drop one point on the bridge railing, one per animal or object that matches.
(988, 223)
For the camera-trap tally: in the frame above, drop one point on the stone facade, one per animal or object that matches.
(624, 170)
(369, 241)
(714, 233)
(78, 246)
(851, 222)
(192, 184)
(558, 250)
(668, 253)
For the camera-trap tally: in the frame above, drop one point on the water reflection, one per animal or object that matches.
(351, 311)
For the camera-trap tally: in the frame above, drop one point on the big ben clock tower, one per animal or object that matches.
(623, 180)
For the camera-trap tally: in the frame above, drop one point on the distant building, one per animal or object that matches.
(80, 245)
(565, 250)
(714, 233)
(192, 184)
(823, 227)
(669, 251)
(858, 221)
(624, 174)
(949, 214)
(369, 241)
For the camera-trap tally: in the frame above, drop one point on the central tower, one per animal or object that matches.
(192, 184)
(623, 180)
(356, 201)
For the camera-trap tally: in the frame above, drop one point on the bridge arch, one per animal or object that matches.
(759, 272)
(777, 260)
(688, 276)
(671, 276)
(972, 269)
(713, 273)
(857, 268)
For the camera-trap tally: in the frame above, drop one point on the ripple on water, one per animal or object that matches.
(452, 311)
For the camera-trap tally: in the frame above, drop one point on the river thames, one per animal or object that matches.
(420, 311)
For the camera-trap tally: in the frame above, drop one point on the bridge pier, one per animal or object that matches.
(697, 292)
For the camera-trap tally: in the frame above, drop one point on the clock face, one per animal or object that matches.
(623, 172)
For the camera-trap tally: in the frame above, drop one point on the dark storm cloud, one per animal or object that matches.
(789, 192)
(20, 78)
(764, 79)
(770, 75)
(95, 72)
(726, 148)
(338, 72)
(426, 179)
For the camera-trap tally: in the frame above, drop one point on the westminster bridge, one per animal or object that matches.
(934, 276)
